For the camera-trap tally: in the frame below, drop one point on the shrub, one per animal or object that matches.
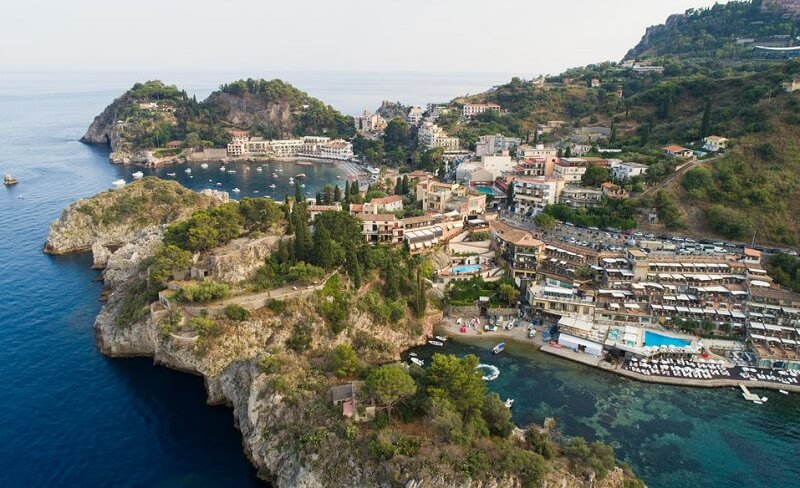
(203, 292)
(300, 340)
(236, 312)
(344, 361)
(204, 326)
(277, 306)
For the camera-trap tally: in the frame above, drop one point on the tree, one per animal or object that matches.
(508, 293)
(395, 135)
(344, 361)
(337, 194)
(456, 380)
(705, 127)
(347, 191)
(390, 384)
(323, 253)
(353, 267)
(328, 195)
(405, 185)
(594, 176)
(497, 416)
(544, 220)
(166, 261)
(259, 214)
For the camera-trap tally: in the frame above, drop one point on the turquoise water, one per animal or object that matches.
(655, 339)
(672, 436)
(485, 190)
(466, 268)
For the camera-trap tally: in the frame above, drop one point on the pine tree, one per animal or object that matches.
(323, 248)
(319, 199)
(353, 267)
(354, 188)
(298, 193)
(705, 128)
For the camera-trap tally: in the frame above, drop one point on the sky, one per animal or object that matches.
(521, 37)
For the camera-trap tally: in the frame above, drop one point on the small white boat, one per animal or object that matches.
(138, 175)
(236, 190)
(273, 186)
(188, 171)
(256, 191)
(412, 354)
(9, 180)
(231, 171)
(300, 175)
(440, 338)
(222, 168)
(509, 402)
(274, 175)
(118, 183)
(302, 185)
(757, 402)
(417, 361)
(171, 175)
(219, 184)
(436, 343)
(784, 392)
(499, 348)
(338, 177)
(280, 169)
(259, 169)
(204, 165)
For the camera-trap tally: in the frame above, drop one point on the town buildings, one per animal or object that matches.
(677, 151)
(369, 123)
(625, 170)
(471, 110)
(309, 146)
(415, 115)
(532, 195)
(494, 144)
(431, 135)
(447, 197)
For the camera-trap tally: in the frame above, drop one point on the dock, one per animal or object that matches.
(750, 397)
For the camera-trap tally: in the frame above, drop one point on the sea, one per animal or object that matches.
(71, 417)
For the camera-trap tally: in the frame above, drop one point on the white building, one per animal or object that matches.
(472, 109)
(532, 195)
(309, 146)
(570, 169)
(414, 116)
(624, 171)
(495, 144)
(714, 143)
(431, 135)
(538, 151)
(369, 123)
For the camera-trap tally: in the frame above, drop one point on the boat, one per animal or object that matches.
(412, 354)
(338, 177)
(231, 171)
(118, 183)
(138, 175)
(509, 402)
(499, 348)
(219, 184)
(188, 171)
(532, 333)
(440, 338)
(259, 169)
(9, 180)
(273, 186)
(302, 185)
(757, 402)
(300, 175)
(222, 168)
(784, 392)
(236, 190)
(172, 175)
(256, 191)
(274, 175)
(204, 165)
(436, 343)
(418, 361)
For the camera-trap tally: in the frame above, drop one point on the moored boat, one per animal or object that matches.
(171, 175)
(440, 338)
(499, 348)
(300, 175)
(188, 171)
(509, 402)
(236, 190)
(118, 183)
(137, 175)
(272, 186)
(436, 343)
(417, 361)
(204, 165)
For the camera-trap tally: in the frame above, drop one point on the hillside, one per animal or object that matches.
(722, 31)
(153, 122)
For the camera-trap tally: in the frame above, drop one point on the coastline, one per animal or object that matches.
(519, 336)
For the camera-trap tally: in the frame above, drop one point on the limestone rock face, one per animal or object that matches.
(237, 261)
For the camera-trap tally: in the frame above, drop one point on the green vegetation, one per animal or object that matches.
(390, 384)
(236, 312)
(204, 326)
(617, 214)
(167, 260)
(785, 270)
(344, 361)
(467, 292)
(205, 291)
(300, 340)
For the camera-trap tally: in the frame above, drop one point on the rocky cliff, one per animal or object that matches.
(116, 217)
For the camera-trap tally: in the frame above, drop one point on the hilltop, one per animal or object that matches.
(154, 122)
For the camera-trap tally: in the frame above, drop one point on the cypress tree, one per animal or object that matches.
(405, 185)
(398, 186)
(705, 128)
(298, 193)
(319, 199)
(328, 198)
(337, 194)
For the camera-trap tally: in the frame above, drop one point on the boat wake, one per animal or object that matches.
(492, 371)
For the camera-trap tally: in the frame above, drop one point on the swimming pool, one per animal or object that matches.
(485, 190)
(653, 339)
(466, 268)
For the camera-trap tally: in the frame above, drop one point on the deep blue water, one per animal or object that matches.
(71, 417)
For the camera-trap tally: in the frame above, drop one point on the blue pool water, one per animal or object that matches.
(485, 190)
(654, 339)
(465, 268)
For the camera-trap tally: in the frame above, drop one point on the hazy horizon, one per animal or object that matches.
(523, 38)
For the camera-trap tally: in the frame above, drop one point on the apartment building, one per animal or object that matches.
(571, 170)
(471, 110)
(431, 135)
(532, 195)
(448, 197)
(494, 144)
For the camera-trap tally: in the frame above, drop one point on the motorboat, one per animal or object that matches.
(256, 191)
(231, 171)
(436, 343)
(259, 169)
(222, 168)
(272, 186)
(532, 333)
(412, 354)
(204, 165)
(492, 371)
(440, 338)
(219, 184)
(118, 183)
(188, 171)
(300, 175)
(302, 185)
(171, 175)
(784, 392)
(274, 175)
(236, 190)
(137, 175)
(417, 361)
(499, 348)
(509, 402)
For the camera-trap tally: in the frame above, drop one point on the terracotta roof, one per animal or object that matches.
(377, 217)
(356, 207)
(386, 200)
(753, 253)
(674, 148)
